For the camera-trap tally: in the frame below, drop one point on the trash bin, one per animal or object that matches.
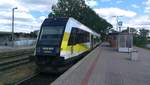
(134, 55)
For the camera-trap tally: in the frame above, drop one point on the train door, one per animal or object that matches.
(72, 39)
(94, 41)
(91, 41)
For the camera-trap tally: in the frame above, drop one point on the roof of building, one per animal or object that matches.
(121, 33)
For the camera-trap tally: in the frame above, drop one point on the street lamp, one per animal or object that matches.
(13, 24)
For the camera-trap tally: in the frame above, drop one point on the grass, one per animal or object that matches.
(142, 46)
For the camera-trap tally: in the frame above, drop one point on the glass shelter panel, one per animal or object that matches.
(122, 41)
(129, 41)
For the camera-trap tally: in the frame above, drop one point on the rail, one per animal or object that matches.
(14, 62)
(11, 54)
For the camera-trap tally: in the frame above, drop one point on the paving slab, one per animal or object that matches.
(106, 66)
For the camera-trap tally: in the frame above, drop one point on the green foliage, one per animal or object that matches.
(144, 32)
(139, 41)
(141, 38)
(83, 13)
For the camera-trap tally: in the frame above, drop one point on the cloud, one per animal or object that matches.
(147, 2)
(21, 23)
(119, 1)
(135, 22)
(104, 0)
(135, 6)
(147, 6)
(25, 21)
(10, 2)
(114, 12)
(42, 18)
(91, 3)
(38, 5)
(147, 10)
(140, 20)
(130, 18)
(22, 19)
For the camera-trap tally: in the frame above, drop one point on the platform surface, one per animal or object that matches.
(106, 66)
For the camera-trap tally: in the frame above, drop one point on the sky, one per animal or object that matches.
(30, 14)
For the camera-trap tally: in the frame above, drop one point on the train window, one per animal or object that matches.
(72, 39)
(51, 31)
(78, 36)
(52, 34)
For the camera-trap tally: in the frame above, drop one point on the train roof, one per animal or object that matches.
(55, 21)
(67, 20)
(83, 27)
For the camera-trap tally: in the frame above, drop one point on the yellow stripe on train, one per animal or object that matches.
(76, 48)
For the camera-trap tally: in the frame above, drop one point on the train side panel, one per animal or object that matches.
(68, 51)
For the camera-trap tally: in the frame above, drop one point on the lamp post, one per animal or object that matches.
(13, 25)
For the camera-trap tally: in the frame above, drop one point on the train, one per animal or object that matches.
(62, 40)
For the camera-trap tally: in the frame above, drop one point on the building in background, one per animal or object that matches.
(5, 37)
(121, 41)
(19, 38)
(112, 39)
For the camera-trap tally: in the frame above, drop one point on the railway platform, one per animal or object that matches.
(106, 66)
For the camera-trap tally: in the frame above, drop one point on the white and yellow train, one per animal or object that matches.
(62, 40)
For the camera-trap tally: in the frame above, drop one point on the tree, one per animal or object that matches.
(141, 38)
(83, 13)
(112, 31)
(132, 30)
(33, 34)
(144, 33)
(69, 8)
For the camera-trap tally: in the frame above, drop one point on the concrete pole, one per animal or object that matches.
(13, 25)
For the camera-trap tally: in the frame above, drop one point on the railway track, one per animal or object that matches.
(39, 79)
(14, 62)
(42, 78)
(12, 54)
(15, 58)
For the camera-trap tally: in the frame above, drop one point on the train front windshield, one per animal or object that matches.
(51, 35)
